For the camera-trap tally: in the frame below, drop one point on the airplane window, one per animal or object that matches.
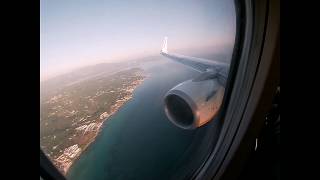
(132, 89)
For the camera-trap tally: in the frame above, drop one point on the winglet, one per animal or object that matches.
(165, 45)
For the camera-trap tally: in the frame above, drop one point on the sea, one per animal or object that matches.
(139, 142)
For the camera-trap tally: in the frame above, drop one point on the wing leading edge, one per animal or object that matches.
(201, 65)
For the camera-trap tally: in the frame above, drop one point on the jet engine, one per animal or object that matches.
(193, 103)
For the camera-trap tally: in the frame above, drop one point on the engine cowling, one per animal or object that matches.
(192, 104)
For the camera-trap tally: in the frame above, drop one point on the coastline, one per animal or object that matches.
(106, 119)
(65, 161)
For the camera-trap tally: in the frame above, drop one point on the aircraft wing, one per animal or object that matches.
(201, 65)
(198, 64)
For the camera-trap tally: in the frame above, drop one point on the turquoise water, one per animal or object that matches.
(138, 142)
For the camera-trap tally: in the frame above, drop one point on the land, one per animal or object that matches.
(73, 112)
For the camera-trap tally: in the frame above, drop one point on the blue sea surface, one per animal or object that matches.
(138, 142)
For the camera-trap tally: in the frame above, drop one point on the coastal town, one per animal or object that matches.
(73, 117)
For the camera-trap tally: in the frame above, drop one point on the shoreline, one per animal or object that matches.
(65, 163)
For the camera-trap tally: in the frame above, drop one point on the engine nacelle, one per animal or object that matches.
(192, 104)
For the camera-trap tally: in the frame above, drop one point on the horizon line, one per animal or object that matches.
(123, 59)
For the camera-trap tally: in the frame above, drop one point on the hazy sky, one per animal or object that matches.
(80, 32)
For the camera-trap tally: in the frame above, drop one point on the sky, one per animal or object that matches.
(76, 33)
